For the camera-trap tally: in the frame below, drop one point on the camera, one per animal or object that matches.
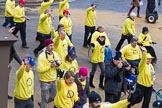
(57, 62)
(125, 64)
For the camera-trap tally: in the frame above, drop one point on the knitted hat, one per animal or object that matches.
(22, 1)
(72, 53)
(117, 55)
(48, 41)
(145, 29)
(83, 71)
(93, 97)
(66, 11)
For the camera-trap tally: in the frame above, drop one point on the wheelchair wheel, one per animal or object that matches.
(90, 53)
(160, 95)
(151, 18)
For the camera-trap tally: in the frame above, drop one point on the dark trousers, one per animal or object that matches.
(138, 10)
(23, 103)
(13, 54)
(112, 98)
(87, 38)
(134, 64)
(94, 68)
(151, 50)
(41, 38)
(22, 28)
(145, 94)
(8, 20)
(123, 37)
(60, 17)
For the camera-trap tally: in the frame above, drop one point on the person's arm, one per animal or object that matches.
(120, 104)
(68, 41)
(143, 60)
(123, 51)
(17, 13)
(140, 39)
(89, 9)
(59, 81)
(130, 26)
(20, 72)
(56, 41)
(41, 66)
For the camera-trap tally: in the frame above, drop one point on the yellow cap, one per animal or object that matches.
(149, 56)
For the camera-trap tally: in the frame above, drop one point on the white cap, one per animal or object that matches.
(132, 14)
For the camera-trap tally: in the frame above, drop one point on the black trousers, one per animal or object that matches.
(23, 103)
(13, 54)
(145, 94)
(41, 38)
(87, 38)
(151, 50)
(22, 28)
(8, 20)
(121, 41)
(112, 98)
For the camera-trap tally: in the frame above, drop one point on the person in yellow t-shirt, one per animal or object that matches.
(132, 53)
(67, 22)
(20, 22)
(128, 30)
(43, 30)
(24, 89)
(70, 62)
(97, 58)
(144, 80)
(90, 23)
(63, 5)
(67, 94)
(145, 40)
(95, 102)
(48, 62)
(9, 11)
(61, 44)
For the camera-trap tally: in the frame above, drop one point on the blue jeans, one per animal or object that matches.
(48, 93)
(94, 68)
(23, 103)
(8, 20)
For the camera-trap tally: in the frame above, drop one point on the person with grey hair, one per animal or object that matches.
(128, 30)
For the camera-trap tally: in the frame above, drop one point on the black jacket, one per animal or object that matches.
(115, 78)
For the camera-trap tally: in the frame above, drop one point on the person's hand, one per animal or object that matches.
(120, 65)
(26, 60)
(53, 64)
(60, 73)
(143, 48)
(128, 67)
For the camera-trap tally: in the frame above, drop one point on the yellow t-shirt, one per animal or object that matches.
(90, 19)
(9, 8)
(62, 6)
(46, 73)
(145, 39)
(44, 24)
(24, 84)
(18, 13)
(67, 22)
(145, 77)
(66, 95)
(73, 66)
(98, 53)
(128, 27)
(131, 53)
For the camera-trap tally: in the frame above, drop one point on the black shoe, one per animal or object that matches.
(39, 104)
(101, 86)
(85, 46)
(35, 53)
(91, 85)
(10, 97)
(25, 46)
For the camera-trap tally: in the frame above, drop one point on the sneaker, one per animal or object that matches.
(39, 104)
